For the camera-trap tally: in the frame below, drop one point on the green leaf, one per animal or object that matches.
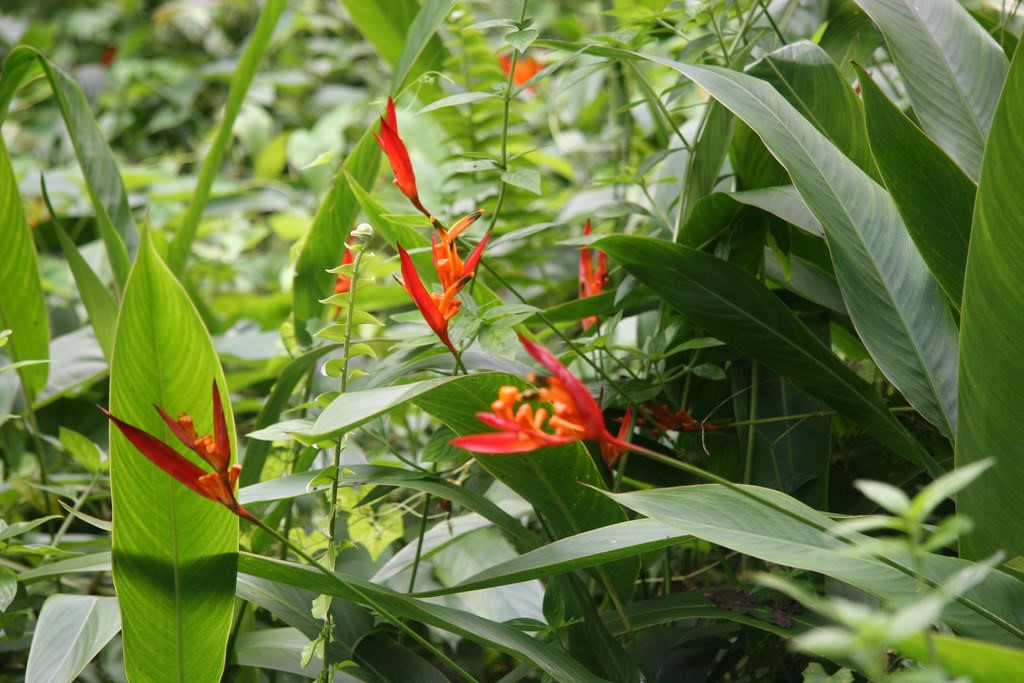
(807, 77)
(598, 546)
(526, 178)
(737, 308)
(71, 630)
(256, 46)
(22, 306)
(991, 362)
(102, 177)
(420, 46)
(952, 69)
(297, 370)
(774, 527)
(325, 244)
(894, 302)
(8, 588)
(97, 299)
(967, 658)
(503, 638)
(934, 197)
(174, 551)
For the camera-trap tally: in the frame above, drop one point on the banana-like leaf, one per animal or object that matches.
(952, 69)
(174, 551)
(991, 355)
(22, 306)
(71, 630)
(894, 301)
(934, 197)
(735, 307)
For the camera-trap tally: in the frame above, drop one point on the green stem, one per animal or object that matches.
(363, 597)
(419, 544)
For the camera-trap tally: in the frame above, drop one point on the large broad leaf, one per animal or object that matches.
(737, 308)
(102, 177)
(933, 195)
(174, 551)
(240, 82)
(952, 69)
(325, 244)
(894, 301)
(807, 77)
(96, 298)
(71, 630)
(22, 307)
(991, 355)
(967, 658)
(503, 638)
(776, 528)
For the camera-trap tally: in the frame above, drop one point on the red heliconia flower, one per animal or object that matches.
(665, 420)
(398, 156)
(447, 262)
(219, 485)
(592, 279)
(436, 309)
(574, 415)
(344, 282)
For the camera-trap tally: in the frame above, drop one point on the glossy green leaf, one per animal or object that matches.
(737, 308)
(894, 302)
(174, 551)
(774, 527)
(967, 658)
(102, 176)
(614, 542)
(280, 649)
(810, 81)
(97, 299)
(22, 306)
(991, 361)
(952, 69)
(71, 630)
(325, 244)
(934, 197)
(503, 638)
(242, 79)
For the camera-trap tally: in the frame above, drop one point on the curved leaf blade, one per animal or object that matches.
(71, 630)
(737, 308)
(934, 197)
(952, 68)
(22, 306)
(894, 302)
(174, 552)
(991, 361)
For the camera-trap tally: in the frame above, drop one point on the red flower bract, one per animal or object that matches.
(219, 485)
(574, 415)
(592, 279)
(398, 156)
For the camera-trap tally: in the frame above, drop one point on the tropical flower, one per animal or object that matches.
(573, 414)
(398, 156)
(592, 278)
(344, 282)
(526, 68)
(452, 271)
(215, 450)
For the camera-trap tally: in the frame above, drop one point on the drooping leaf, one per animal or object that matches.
(96, 298)
(174, 551)
(991, 361)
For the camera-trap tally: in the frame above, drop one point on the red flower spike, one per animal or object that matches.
(575, 415)
(526, 68)
(592, 280)
(430, 308)
(611, 452)
(218, 486)
(398, 156)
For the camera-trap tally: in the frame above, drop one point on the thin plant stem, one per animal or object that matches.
(395, 621)
(419, 544)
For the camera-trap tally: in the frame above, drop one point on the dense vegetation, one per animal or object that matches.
(683, 346)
